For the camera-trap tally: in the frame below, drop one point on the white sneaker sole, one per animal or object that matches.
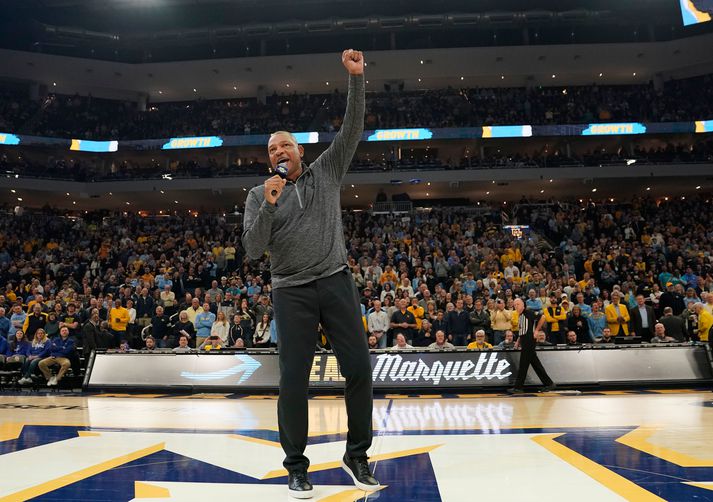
(301, 494)
(361, 486)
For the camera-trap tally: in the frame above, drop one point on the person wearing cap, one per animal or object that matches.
(672, 298)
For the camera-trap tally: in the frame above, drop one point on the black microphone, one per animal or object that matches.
(281, 170)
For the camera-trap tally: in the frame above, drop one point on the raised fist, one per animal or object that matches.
(353, 61)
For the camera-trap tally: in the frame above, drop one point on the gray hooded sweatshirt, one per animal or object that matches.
(303, 231)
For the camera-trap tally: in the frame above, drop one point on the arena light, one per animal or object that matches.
(9, 139)
(15, 191)
(630, 162)
(594, 190)
(697, 187)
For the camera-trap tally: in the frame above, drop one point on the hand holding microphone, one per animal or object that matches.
(275, 184)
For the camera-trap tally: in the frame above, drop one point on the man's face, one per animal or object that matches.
(660, 330)
(372, 341)
(283, 148)
(400, 340)
(540, 337)
(183, 342)
(64, 332)
(377, 305)
(479, 337)
(459, 304)
(149, 343)
(509, 337)
(606, 332)
(440, 337)
(640, 301)
(572, 337)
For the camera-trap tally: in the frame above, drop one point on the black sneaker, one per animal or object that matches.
(515, 390)
(548, 388)
(298, 485)
(358, 469)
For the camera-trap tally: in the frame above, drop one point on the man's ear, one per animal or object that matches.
(301, 149)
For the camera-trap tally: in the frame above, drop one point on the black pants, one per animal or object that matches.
(528, 356)
(333, 302)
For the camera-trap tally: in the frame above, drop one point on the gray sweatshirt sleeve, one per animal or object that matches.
(257, 225)
(336, 159)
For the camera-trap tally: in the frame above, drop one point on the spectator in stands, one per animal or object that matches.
(672, 298)
(378, 324)
(596, 322)
(541, 339)
(204, 322)
(372, 342)
(261, 337)
(52, 325)
(440, 343)
(39, 350)
(149, 344)
(34, 321)
(606, 337)
(660, 335)
(213, 342)
(193, 311)
(236, 332)
(185, 327)
(182, 345)
(424, 336)
(403, 321)
(508, 342)
(479, 343)
(17, 351)
(533, 303)
(91, 334)
(642, 319)
(4, 324)
(458, 323)
(674, 326)
(417, 310)
(572, 338)
(17, 320)
(617, 316)
(3, 351)
(401, 343)
(71, 320)
(500, 321)
(221, 327)
(577, 323)
(555, 315)
(119, 321)
(61, 350)
(168, 300)
(161, 328)
(705, 322)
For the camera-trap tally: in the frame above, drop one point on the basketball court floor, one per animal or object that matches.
(598, 446)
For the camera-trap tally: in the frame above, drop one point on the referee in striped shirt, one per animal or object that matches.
(528, 355)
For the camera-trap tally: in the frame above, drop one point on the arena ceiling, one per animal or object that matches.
(135, 31)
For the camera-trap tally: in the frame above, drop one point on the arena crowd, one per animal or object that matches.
(84, 117)
(440, 279)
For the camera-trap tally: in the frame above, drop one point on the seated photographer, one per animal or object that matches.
(606, 337)
(213, 342)
(508, 342)
(440, 342)
(150, 344)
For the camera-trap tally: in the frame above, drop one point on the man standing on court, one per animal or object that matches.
(528, 356)
(298, 220)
